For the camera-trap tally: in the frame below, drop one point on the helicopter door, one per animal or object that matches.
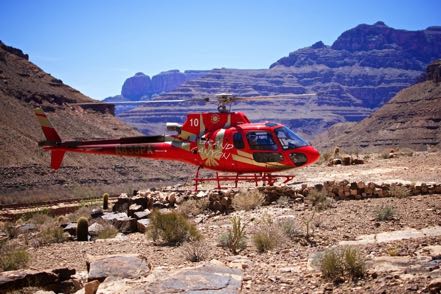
(262, 140)
(238, 141)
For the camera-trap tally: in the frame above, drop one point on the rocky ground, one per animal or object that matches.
(400, 262)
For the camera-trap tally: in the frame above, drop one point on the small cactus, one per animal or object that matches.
(82, 229)
(105, 201)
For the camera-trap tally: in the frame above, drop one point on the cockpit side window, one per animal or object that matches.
(261, 140)
(290, 140)
(238, 141)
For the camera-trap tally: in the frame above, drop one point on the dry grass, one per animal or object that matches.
(194, 251)
(347, 261)
(268, 235)
(107, 232)
(399, 191)
(248, 200)
(319, 199)
(193, 207)
(12, 257)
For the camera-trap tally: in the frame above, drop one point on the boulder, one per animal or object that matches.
(71, 228)
(129, 266)
(434, 286)
(142, 225)
(121, 221)
(122, 204)
(142, 214)
(11, 280)
(134, 208)
(95, 229)
(96, 212)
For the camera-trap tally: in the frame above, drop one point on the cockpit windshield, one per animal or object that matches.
(289, 139)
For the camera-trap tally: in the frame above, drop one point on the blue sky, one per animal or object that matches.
(95, 45)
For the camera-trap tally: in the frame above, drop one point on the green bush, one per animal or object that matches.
(347, 261)
(248, 200)
(235, 238)
(12, 258)
(172, 228)
(82, 229)
(385, 213)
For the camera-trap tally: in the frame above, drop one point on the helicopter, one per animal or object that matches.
(223, 141)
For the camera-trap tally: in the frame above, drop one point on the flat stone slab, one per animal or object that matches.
(206, 278)
(121, 221)
(394, 236)
(210, 277)
(130, 266)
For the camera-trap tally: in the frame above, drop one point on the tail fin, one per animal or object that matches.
(52, 138)
(49, 131)
(57, 158)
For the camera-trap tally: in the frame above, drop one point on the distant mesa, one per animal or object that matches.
(142, 87)
(361, 71)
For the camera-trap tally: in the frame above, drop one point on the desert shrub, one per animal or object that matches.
(290, 229)
(80, 212)
(385, 155)
(235, 238)
(82, 229)
(193, 207)
(308, 222)
(319, 199)
(267, 236)
(347, 261)
(399, 191)
(50, 233)
(10, 229)
(35, 216)
(12, 258)
(40, 218)
(248, 200)
(105, 201)
(194, 251)
(354, 263)
(331, 265)
(107, 232)
(172, 228)
(385, 213)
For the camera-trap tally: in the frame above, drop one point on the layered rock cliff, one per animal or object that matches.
(410, 119)
(361, 71)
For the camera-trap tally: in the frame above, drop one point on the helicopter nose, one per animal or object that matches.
(313, 155)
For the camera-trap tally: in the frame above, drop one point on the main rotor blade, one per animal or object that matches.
(272, 97)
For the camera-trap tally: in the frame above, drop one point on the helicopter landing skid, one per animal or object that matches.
(265, 178)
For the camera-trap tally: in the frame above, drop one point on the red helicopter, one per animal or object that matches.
(223, 141)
